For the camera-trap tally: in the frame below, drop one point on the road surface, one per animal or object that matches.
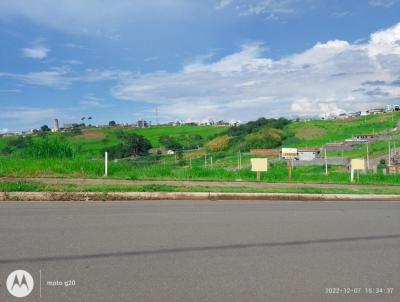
(203, 251)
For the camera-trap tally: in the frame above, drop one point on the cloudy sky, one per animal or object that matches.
(194, 60)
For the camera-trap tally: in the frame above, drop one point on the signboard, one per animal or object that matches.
(259, 164)
(358, 164)
(289, 152)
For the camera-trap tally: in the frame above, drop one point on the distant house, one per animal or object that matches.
(264, 152)
(308, 154)
(376, 111)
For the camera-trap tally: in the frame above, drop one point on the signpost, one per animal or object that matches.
(290, 154)
(259, 165)
(357, 164)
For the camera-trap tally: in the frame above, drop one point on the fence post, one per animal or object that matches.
(106, 164)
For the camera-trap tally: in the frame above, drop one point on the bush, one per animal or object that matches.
(132, 145)
(265, 138)
(220, 143)
(45, 147)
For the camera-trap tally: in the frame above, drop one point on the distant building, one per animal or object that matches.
(308, 154)
(142, 123)
(68, 126)
(376, 111)
(264, 152)
(56, 126)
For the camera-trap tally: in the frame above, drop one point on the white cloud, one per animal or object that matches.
(4, 130)
(382, 3)
(271, 8)
(36, 52)
(223, 3)
(329, 77)
(62, 77)
(94, 17)
(27, 116)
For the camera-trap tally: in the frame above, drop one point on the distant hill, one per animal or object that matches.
(319, 132)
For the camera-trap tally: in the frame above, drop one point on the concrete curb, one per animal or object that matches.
(126, 196)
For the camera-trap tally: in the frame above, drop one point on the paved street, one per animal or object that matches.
(203, 251)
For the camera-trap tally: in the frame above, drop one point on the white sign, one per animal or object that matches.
(356, 164)
(259, 164)
(289, 152)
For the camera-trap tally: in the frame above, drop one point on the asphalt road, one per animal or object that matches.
(203, 251)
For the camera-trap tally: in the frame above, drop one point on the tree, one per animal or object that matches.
(90, 119)
(132, 145)
(170, 142)
(45, 128)
(83, 120)
(112, 123)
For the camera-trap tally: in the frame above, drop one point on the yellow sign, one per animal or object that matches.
(358, 164)
(289, 152)
(259, 164)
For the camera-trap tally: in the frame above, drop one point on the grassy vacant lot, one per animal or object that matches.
(84, 168)
(23, 186)
(93, 140)
(88, 162)
(319, 132)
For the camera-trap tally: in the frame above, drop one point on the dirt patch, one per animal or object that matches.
(92, 135)
(309, 133)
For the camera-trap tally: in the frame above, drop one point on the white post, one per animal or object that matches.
(205, 160)
(326, 163)
(367, 157)
(190, 162)
(106, 164)
(240, 160)
(389, 155)
(352, 175)
(211, 161)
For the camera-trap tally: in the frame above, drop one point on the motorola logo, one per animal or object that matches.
(20, 283)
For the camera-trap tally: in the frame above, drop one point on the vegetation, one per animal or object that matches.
(25, 186)
(132, 145)
(220, 143)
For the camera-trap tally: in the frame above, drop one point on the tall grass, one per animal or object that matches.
(48, 148)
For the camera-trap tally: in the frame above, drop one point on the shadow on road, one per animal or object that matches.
(195, 249)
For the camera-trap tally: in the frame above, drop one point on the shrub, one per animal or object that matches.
(45, 147)
(265, 138)
(220, 143)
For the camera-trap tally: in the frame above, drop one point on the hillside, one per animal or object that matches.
(319, 132)
(92, 141)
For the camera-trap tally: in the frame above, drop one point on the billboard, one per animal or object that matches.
(358, 164)
(259, 164)
(289, 152)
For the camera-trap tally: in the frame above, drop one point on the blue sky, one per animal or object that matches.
(194, 60)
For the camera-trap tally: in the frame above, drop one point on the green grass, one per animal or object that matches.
(320, 132)
(84, 168)
(91, 147)
(24, 186)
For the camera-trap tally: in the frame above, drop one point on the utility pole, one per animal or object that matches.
(389, 156)
(326, 163)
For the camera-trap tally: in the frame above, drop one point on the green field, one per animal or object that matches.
(88, 162)
(316, 133)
